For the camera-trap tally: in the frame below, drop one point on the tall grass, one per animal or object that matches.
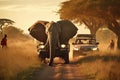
(18, 56)
(101, 66)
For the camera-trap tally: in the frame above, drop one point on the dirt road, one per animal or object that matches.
(61, 72)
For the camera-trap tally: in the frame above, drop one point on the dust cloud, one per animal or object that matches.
(20, 54)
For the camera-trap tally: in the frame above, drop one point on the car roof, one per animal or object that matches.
(85, 36)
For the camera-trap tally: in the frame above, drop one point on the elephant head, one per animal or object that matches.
(53, 33)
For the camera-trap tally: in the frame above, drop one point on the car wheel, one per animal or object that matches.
(66, 58)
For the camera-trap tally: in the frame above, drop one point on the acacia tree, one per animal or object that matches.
(78, 12)
(94, 14)
(4, 22)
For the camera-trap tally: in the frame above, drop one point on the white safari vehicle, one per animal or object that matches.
(84, 43)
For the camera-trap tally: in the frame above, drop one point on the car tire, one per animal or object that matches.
(66, 58)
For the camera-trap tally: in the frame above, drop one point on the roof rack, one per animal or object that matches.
(85, 36)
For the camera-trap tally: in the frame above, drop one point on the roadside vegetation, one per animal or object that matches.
(101, 66)
(104, 64)
(19, 56)
(19, 60)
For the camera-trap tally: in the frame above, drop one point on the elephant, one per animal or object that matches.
(53, 34)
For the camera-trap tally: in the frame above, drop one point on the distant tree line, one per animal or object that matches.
(12, 31)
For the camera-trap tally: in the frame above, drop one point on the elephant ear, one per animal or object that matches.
(68, 30)
(37, 30)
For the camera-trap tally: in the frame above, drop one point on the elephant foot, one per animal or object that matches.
(50, 64)
(66, 63)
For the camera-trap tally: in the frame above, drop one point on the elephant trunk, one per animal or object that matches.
(53, 34)
(53, 44)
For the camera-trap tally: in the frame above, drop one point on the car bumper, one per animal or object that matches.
(58, 51)
(83, 52)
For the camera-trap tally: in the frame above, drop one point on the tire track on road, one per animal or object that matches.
(61, 72)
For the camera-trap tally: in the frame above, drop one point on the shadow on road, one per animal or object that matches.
(72, 71)
(104, 58)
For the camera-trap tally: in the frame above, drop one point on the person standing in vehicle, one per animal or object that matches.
(4, 41)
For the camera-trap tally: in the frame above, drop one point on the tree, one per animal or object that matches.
(13, 31)
(78, 12)
(5, 22)
(94, 14)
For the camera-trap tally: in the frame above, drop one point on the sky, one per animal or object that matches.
(26, 12)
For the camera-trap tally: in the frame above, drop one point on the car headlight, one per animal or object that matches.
(38, 53)
(94, 49)
(75, 48)
(42, 46)
(63, 45)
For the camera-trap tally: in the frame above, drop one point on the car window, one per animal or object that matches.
(85, 41)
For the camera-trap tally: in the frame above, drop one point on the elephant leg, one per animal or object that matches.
(51, 61)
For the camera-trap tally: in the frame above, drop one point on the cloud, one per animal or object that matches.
(26, 12)
(15, 8)
(20, 5)
(29, 2)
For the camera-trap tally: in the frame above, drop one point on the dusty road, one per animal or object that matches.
(61, 72)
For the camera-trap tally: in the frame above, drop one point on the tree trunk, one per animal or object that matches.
(116, 30)
(118, 42)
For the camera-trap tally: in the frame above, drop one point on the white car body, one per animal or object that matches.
(84, 43)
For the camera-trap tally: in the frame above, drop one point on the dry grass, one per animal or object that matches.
(21, 55)
(104, 66)
(18, 56)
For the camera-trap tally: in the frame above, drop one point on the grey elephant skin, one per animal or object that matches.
(67, 31)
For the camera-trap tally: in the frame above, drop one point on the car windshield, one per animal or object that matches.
(85, 39)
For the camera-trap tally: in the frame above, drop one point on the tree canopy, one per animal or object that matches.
(94, 14)
(4, 21)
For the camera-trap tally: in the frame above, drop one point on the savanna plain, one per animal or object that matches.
(19, 61)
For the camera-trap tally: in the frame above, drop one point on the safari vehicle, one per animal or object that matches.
(62, 52)
(84, 43)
